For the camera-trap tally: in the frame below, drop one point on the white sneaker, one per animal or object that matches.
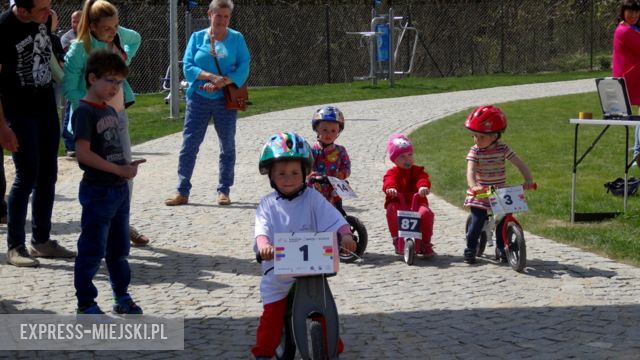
(20, 257)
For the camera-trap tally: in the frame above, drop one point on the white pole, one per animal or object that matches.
(173, 58)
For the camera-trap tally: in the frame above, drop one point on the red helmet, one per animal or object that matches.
(486, 119)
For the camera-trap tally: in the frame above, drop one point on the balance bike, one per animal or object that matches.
(409, 230)
(504, 203)
(357, 228)
(311, 320)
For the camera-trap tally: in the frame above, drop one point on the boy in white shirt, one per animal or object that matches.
(293, 207)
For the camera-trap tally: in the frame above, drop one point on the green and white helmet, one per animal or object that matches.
(285, 146)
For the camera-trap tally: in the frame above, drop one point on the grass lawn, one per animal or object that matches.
(540, 134)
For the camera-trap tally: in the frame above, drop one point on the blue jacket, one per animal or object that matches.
(233, 56)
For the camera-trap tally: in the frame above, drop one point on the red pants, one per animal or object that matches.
(270, 328)
(426, 224)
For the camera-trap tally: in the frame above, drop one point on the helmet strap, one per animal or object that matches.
(287, 197)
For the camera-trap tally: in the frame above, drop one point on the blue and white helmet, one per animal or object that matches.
(327, 113)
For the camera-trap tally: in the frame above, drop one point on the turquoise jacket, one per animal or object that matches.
(233, 56)
(75, 61)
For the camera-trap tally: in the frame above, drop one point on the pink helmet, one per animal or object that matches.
(486, 119)
(397, 145)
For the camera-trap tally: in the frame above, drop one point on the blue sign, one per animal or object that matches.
(383, 42)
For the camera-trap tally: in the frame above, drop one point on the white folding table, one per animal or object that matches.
(576, 161)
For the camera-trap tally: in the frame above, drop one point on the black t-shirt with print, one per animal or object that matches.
(98, 123)
(25, 77)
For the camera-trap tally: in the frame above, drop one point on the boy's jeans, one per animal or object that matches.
(105, 234)
(196, 120)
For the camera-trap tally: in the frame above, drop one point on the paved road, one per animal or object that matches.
(568, 304)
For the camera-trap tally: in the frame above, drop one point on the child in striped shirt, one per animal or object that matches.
(486, 167)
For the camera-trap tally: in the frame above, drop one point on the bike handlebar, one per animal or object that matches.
(319, 179)
(490, 189)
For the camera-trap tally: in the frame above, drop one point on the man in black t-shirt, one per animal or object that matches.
(29, 128)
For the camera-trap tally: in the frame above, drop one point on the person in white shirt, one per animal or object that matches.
(293, 207)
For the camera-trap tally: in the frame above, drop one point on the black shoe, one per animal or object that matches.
(469, 256)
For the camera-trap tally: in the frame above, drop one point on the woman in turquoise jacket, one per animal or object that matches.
(99, 29)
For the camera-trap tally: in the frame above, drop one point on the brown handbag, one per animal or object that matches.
(235, 98)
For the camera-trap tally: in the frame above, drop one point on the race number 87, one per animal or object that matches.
(409, 224)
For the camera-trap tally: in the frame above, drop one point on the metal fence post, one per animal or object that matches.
(591, 35)
(328, 36)
(391, 49)
(173, 58)
(501, 37)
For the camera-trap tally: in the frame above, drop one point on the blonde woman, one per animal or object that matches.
(99, 28)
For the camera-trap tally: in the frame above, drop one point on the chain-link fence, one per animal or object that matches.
(308, 44)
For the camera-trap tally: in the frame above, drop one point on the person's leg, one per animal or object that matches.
(45, 185)
(224, 122)
(67, 136)
(392, 223)
(426, 226)
(500, 239)
(25, 161)
(123, 132)
(97, 211)
(270, 328)
(3, 190)
(478, 217)
(196, 121)
(118, 245)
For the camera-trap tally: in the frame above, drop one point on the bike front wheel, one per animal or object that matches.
(359, 236)
(318, 351)
(409, 251)
(515, 247)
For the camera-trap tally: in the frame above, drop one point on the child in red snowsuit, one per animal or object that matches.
(400, 183)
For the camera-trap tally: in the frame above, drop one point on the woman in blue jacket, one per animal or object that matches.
(99, 29)
(205, 98)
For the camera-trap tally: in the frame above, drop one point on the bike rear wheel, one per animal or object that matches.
(409, 251)
(515, 247)
(359, 236)
(318, 351)
(482, 241)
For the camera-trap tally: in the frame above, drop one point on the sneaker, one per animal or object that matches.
(50, 248)
(428, 252)
(176, 200)
(469, 256)
(71, 153)
(125, 305)
(92, 309)
(503, 257)
(223, 199)
(136, 238)
(19, 256)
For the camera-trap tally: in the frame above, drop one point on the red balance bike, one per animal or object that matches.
(504, 203)
(409, 230)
